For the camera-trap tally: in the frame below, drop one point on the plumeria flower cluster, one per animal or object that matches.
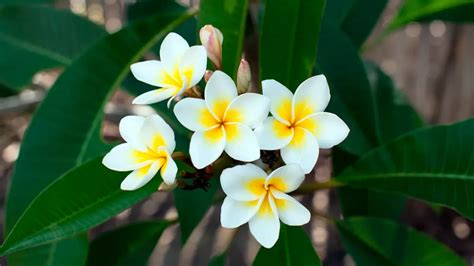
(231, 120)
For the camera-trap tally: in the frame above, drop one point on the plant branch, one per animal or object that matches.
(314, 186)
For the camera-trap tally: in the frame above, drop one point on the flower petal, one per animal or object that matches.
(235, 213)
(155, 96)
(242, 144)
(140, 177)
(281, 99)
(290, 211)
(265, 225)
(150, 72)
(206, 146)
(286, 178)
(172, 50)
(220, 91)
(169, 170)
(193, 114)
(157, 133)
(249, 109)
(311, 96)
(303, 150)
(243, 182)
(328, 128)
(129, 128)
(124, 157)
(273, 135)
(193, 64)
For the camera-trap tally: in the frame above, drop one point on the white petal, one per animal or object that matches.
(169, 170)
(243, 182)
(140, 177)
(155, 96)
(123, 158)
(193, 64)
(249, 109)
(235, 213)
(286, 178)
(149, 72)
(172, 50)
(302, 150)
(129, 128)
(220, 91)
(193, 114)
(206, 146)
(311, 96)
(157, 133)
(242, 144)
(273, 135)
(265, 225)
(328, 128)
(281, 99)
(290, 211)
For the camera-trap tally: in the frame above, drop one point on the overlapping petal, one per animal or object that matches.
(139, 177)
(328, 128)
(250, 109)
(220, 91)
(241, 142)
(286, 178)
(265, 224)
(157, 133)
(194, 115)
(172, 50)
(311, 96)
(243, 182)
(235, 213)
(150, 72)
(303, 150)
(280, 98)
(193, 64)
(290, 211)
(206, 146)
(273, 135)
(155, 96)
(124, 157)
(169, 169)
(129, 128)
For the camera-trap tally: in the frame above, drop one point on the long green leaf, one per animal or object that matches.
(128, 245)
(289, 40)
(433, 164)
(70, 252)
(229, 17)
(374, 241)
(338, 10)
(427, 10)
(79, 200)
(292, 248)
(361, 19)
(40, 37)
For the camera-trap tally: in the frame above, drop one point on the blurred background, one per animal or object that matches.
(432, 63)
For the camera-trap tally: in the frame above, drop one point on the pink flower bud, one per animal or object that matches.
(208, 75)
(211, 39)
(243, 76)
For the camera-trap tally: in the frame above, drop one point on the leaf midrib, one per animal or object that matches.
(395, 175)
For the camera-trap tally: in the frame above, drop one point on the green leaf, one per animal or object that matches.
(361, 19)
(229, 17)
(71, 252)
(25, 2)
(292, 248)
(219, 260)
(337, 10)
(81, 199)
(40, 37)
(432, 164)
(374, 241)
(289, 40)
(128, 245)
(427, 10)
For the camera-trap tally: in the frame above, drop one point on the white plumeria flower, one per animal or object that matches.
(223, 121)
(148, 148)
(181, 67)
(262, 200)
(299, 127)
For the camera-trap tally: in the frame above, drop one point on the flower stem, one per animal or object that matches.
(306, 188)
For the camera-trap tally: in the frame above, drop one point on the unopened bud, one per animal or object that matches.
(208, 75)
(211, 39)
(244, 76)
